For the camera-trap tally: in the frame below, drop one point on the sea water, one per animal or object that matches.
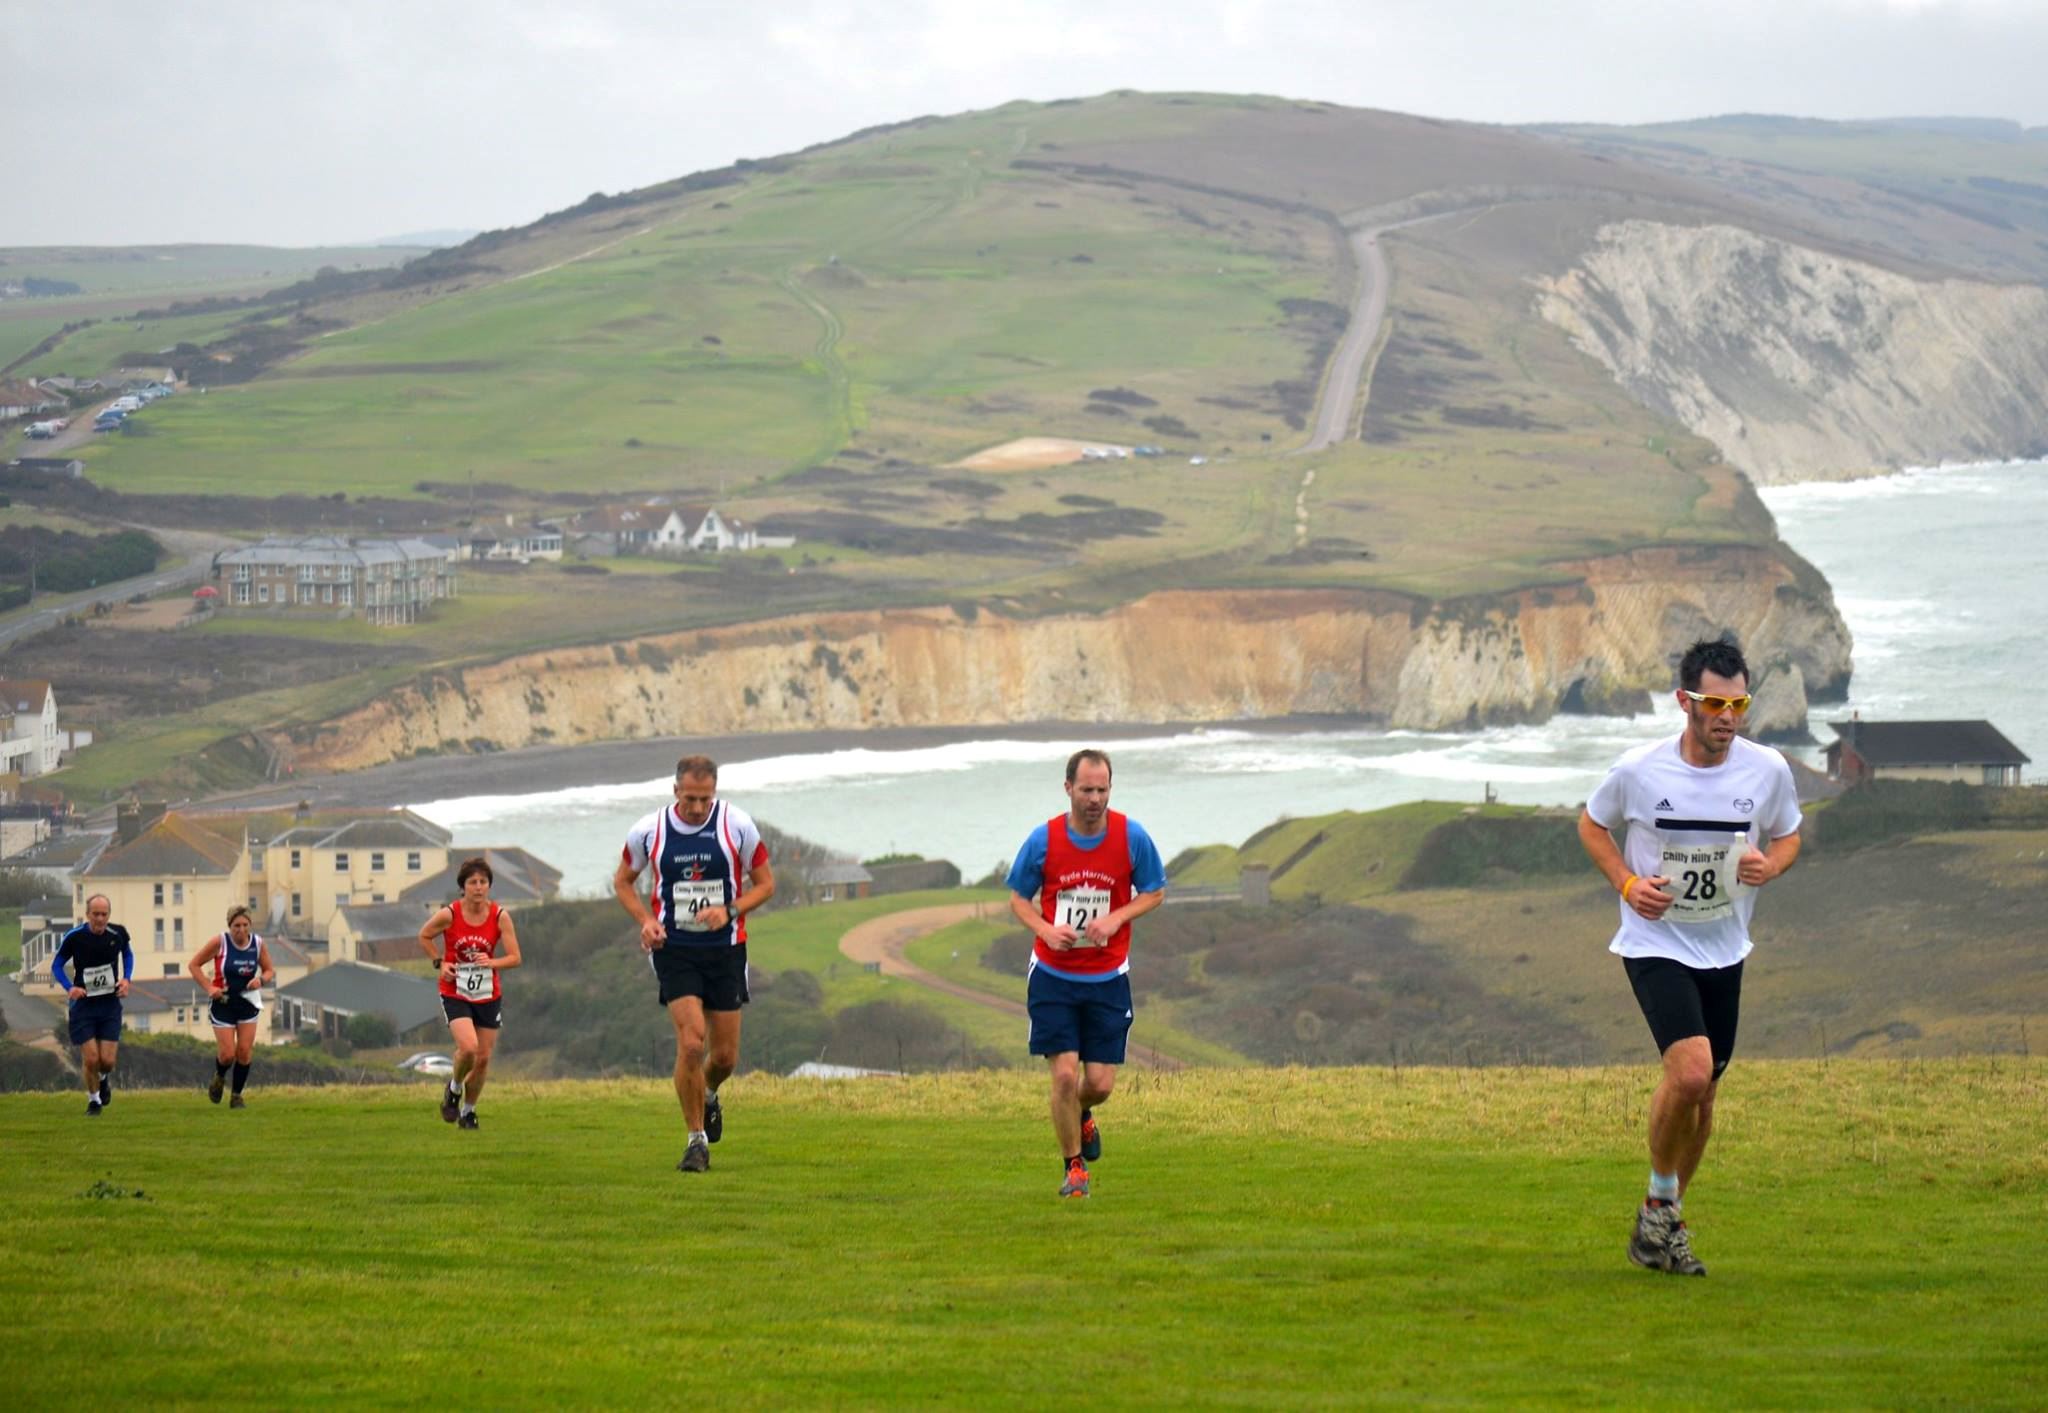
(1940, 574)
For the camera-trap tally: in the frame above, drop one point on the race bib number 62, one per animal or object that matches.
(98, 981)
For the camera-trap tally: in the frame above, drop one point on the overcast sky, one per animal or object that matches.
(288, 123)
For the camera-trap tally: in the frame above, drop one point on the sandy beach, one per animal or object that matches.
(544, 768)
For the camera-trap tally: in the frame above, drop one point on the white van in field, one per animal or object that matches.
(125, 404)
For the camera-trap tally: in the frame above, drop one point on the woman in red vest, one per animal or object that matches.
(477, 941)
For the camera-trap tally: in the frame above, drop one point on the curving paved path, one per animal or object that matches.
(883, 940)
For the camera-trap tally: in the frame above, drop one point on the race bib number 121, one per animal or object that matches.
(1077, 907)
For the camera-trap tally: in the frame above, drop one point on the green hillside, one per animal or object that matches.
(1290, 1239)
(813, 342)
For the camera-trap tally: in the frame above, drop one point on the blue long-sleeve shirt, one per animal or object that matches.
(84, 948)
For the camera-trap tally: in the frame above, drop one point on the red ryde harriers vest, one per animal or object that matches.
(1082, 884)
(467, 941)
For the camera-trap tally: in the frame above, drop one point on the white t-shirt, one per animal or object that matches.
(1692, 825)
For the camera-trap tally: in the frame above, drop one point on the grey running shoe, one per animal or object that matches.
(1678, 1249)
(696, 1159)
(467, 1120)
(1091, 1136)
(217, 1088)
(1661, 1242)
(451, 1104)
(1076, 1184)
(714, 1117)
(238, 1102)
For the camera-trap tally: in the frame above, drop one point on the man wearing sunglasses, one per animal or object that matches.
(1711, 817)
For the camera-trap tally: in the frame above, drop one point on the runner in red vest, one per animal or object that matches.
(1078, 883)
(477, 942)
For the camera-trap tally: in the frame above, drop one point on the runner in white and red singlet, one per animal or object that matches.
(477, 941)
(240, 969)
(1078, 883)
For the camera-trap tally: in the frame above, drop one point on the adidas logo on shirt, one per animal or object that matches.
(1663, 804)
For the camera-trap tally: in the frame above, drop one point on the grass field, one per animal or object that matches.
(1266, 1238)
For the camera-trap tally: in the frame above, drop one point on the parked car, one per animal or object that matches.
(428, 1062)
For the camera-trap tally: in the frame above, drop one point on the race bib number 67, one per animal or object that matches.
(473, 983)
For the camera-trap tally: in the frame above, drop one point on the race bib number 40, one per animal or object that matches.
(473, 983)
(1703, 885)
(98, 981)
(691, 896)
(1077, 907)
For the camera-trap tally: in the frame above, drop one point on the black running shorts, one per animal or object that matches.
(484, 1015)
(227, 1012)
(715, 975)
(1681, 1001)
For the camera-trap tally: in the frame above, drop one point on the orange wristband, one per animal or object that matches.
(1627, 883)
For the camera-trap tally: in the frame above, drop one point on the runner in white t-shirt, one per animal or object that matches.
(1711, 818)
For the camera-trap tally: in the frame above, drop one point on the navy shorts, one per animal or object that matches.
(1680, 1002)
(484, 1015)
(1089, 1018)
(95, 1018)
(715, 975)
(230, 1011)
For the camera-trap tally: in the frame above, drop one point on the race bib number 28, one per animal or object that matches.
(1703, 883)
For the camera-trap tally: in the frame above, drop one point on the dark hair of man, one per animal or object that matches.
(1716, 656)
(1090, 754)
(471, 867)
(702, 767)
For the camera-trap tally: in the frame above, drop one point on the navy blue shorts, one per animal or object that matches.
(1090, 1018)
(95, 1018)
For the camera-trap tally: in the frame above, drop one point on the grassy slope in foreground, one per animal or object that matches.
(1277, 1238)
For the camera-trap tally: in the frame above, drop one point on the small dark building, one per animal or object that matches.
(1973, 752)
(912, 876)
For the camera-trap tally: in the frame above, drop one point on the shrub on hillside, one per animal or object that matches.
(1474, 851)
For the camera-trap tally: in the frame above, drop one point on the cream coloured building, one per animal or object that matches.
(170, 880)
(309, 870)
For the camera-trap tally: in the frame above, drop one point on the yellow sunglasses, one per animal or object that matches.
(1716, 705)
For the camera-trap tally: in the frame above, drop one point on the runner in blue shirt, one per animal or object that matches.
(101, 963)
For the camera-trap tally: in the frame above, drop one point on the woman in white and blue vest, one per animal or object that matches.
(241, 969)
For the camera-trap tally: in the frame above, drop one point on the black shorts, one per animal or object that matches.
(1680, 1002)
(484, 1015)
(715, 975)
(227, 1012)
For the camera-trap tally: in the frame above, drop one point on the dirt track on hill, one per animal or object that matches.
(881, 941)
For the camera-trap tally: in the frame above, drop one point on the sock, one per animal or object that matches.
(454, 1090)
(220, 1067)
(698, 1135)
(1087, 1114)
(1664, 1186)
(241, 1076)
(467, 1107)
(1074, 1161)
(106, 1090)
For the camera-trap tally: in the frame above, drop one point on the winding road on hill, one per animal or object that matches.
(882, 941)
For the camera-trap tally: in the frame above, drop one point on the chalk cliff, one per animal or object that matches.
(1805, 366)
(1600, 638)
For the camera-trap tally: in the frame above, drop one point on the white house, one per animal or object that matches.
(29, 739)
